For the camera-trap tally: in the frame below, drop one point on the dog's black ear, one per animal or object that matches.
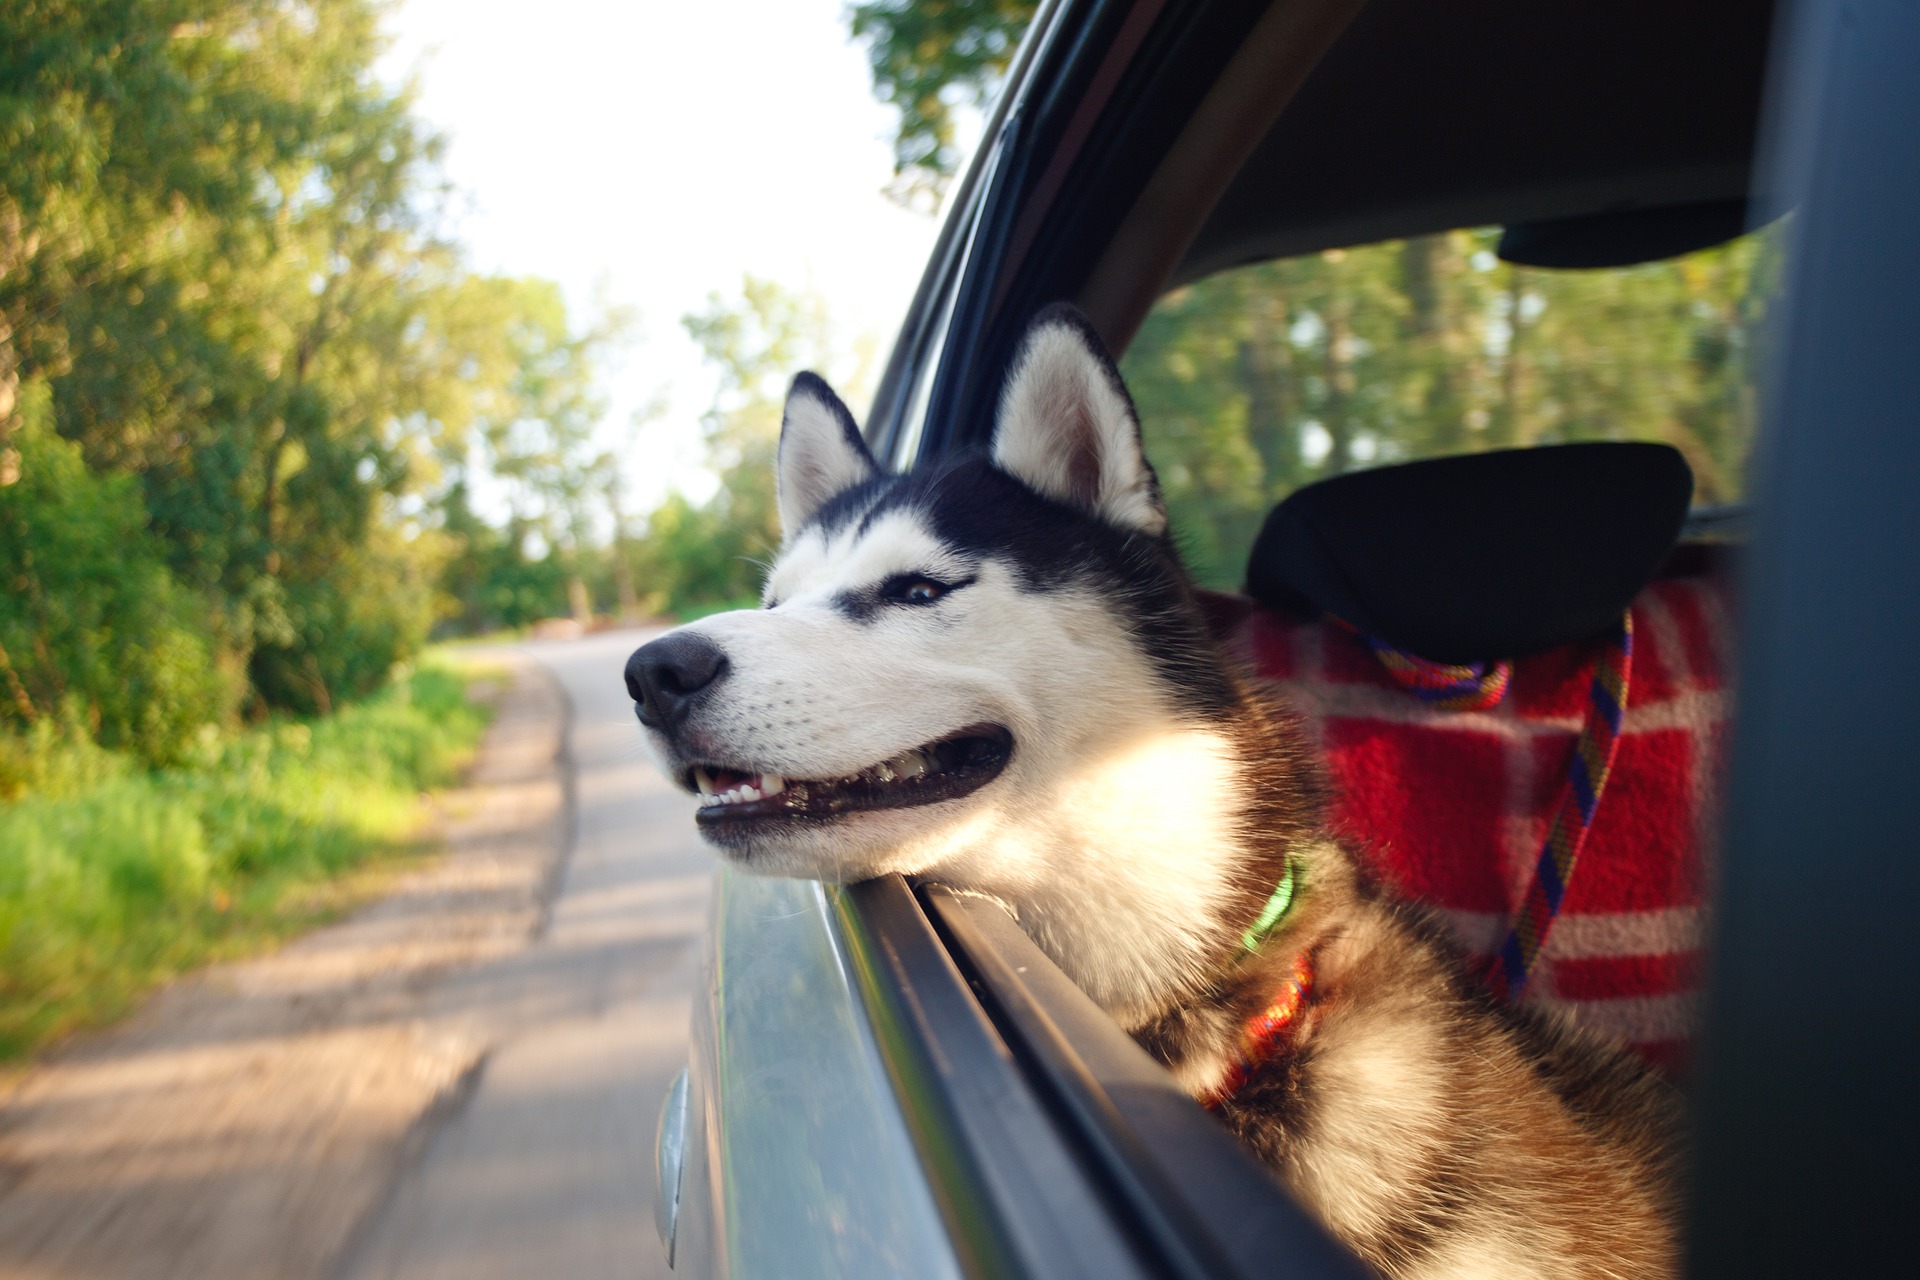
(821, 452)
(1067, 426)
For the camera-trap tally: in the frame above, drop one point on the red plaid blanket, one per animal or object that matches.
(1452, 806)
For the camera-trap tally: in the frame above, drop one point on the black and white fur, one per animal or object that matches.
(992, 671)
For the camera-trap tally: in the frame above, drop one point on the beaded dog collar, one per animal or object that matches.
(1263, 1034)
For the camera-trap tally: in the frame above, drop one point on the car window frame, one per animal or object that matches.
(1054, 1145)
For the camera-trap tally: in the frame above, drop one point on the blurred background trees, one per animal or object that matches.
(1259, 380)
(699, 556)
(263, 430)
(929, 57)
(243, 375)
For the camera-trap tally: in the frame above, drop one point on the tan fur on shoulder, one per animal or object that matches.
(1437, 1133)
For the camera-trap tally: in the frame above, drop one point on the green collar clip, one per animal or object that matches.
(1274, 912)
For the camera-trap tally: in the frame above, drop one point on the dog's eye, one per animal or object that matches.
(912, 589)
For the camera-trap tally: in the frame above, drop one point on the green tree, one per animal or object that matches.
(530, 400)
(926, 57)
(117, 119)
(246, 208)
(95, 635)
(696, 554)
(221, 257)
(220, 251)
(542, 444)
(490, 579)
(1256, 381)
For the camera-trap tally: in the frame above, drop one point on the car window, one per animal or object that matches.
(1256, 381)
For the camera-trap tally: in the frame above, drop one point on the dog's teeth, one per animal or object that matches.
(771, 784)
(910, 764)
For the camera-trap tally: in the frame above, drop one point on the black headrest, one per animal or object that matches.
(1482, 556)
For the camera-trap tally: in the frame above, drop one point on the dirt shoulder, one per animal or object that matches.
(248, 1118)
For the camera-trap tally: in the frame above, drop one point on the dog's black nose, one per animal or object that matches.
(665, 676)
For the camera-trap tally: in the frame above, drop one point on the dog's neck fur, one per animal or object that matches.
(1128, 899)
(1141, 877)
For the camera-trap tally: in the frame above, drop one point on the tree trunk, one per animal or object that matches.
(623, 589)
(270, 500)
(28, 711)
(579, 602)
(16, 246)
(1340, 385)
(1509, 424)
(1431, 337)
(1265, 362)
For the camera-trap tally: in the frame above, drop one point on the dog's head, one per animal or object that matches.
(958, 657)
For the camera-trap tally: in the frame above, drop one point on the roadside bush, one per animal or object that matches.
(353, 621)
(113, 878)
(492, 582)
(93, 626)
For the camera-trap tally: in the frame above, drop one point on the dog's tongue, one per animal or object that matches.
(728, 779)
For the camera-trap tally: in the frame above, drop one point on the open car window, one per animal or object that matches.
(1256, 381)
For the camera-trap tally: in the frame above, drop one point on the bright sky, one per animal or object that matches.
(657, 152)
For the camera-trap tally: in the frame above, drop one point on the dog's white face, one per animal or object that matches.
(949, 665)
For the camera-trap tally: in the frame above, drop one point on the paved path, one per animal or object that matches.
(548, 1171)
(460, 1080)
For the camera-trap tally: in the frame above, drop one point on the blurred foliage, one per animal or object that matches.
(259, 367)
(1256, 381)
(927, 56)
(533, 437)
(94, 631)
(494, 584)
(698, 555)
(114, 878)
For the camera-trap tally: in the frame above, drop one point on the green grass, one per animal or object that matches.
(113, 879)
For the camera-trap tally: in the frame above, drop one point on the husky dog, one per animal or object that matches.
(992, 671)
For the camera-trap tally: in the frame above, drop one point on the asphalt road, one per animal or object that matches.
(546, 1167)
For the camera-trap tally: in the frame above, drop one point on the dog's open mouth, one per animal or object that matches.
(944, 770)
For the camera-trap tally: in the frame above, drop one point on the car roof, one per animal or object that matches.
(1422, 117)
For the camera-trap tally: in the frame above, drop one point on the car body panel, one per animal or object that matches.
(799, 1163)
